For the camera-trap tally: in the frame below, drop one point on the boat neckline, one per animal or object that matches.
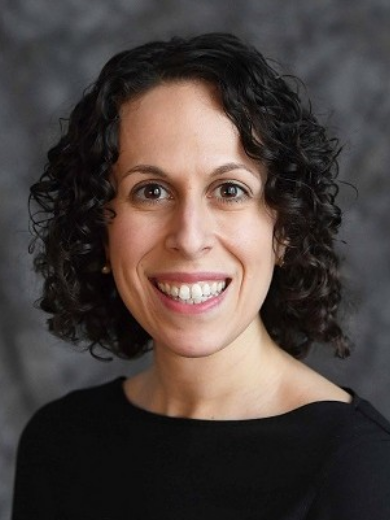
(155, 416)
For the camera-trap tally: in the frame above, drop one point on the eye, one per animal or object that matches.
(151, 192)
(230, 192)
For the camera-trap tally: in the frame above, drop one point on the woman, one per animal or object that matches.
(190, 209)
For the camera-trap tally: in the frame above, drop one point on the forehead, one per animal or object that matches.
(182, 130)
(171, 115)
(175, 94)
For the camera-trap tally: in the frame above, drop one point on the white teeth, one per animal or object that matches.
(192, 294)
(196, 291)
(184, 292)
(174, 291)
(206, 290)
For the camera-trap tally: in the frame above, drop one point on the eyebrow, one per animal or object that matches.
(155, 170)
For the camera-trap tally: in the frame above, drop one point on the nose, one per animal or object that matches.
(191, 229)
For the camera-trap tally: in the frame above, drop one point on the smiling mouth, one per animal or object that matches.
(192, 294)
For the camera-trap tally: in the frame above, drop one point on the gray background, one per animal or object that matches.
(50, 50)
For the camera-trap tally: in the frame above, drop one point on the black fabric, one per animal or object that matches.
(93, 456)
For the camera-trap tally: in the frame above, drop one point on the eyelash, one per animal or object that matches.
(136, 193)
(227, 200)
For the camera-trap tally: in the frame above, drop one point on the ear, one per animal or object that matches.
(107, 254)
(281, 243)
(107, 266)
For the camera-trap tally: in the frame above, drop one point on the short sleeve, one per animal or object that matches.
(356, 485)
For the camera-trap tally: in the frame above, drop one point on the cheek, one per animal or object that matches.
(131, 238)
(124, 240)
(252, 237)
(127, 245)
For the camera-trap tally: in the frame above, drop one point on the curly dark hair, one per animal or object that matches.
(276, 127)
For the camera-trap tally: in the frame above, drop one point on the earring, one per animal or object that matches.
(106, 269)
(280, 262)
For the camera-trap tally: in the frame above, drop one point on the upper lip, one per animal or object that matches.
(189, 277)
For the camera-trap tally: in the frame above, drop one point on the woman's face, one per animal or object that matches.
(191, 247)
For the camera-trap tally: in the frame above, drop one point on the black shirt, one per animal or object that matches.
(92, 455)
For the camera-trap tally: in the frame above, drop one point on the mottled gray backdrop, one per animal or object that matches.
(50, 50)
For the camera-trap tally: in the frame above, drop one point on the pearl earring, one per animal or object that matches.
(106, 269)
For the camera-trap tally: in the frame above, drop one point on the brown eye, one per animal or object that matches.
(230, 192)
(151, 192)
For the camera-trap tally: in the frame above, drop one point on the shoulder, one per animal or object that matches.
(78, 412)
(355, 480)
(345, 412)
(369, 414)
(364, 422)
(81, 402)
(359, 428)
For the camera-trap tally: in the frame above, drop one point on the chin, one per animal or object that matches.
(196, 349)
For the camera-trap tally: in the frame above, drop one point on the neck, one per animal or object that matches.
(238, 382)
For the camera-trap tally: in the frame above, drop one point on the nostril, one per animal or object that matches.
(190, 235)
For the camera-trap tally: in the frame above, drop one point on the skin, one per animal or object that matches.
(190, 201)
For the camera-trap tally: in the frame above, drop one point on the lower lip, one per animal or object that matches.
(188, 308)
